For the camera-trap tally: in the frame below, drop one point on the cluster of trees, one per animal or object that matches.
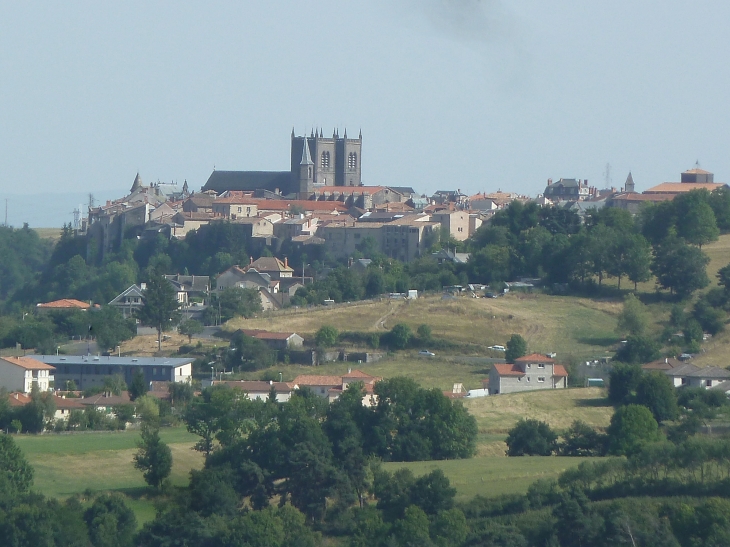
(648, 410)
(309, 451)
(664, 240)
(400, 336)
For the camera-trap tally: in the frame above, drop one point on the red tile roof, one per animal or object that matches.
(315, 380)
(559, 370)
(65, 303)
(27, 363)
(682, 187)
(508, 370)
(67, 404)
(535, 358)
(18, 399)
(284, 205)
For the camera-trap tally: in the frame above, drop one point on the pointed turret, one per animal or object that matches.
(185, 187)
(345, 133)
(629, 186)
(360, 136)
(137, 184)
(334, 133)
(321, 135)
(292, 131)
(311, 133)
(306, 157)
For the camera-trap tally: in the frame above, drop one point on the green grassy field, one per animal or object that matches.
(428, 372)
(74, 463)
(492, 476)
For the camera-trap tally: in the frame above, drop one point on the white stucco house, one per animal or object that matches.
(21, 373)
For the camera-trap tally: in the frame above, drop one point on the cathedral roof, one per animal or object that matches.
(220, 181)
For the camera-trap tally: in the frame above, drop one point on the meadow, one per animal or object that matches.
(571, 326)
(81, 463)
(492, 476)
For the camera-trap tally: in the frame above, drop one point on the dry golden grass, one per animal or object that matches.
(557, 407)
(54, 234)
(580, 327)
(719, 253)
(146, 345)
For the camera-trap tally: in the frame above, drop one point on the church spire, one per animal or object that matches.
(629, 186)
(137, 183)
(306, 157)
(292, 131)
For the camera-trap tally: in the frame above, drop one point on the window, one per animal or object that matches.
(528, 365)
(239, 209)
(248, 210)
(528, 378)
(540, 378)
(540, 365)
(154, 372)
(325, 161)
(352, 161)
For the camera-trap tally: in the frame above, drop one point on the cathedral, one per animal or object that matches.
(316, 161)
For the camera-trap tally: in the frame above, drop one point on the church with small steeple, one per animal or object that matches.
(316, 161)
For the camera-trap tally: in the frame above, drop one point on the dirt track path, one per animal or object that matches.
(379, 324)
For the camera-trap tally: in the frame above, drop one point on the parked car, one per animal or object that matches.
(497, 348)
(426, 353)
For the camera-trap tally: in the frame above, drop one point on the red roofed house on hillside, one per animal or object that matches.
(66, 304)
(528, 373)
(333, 386)
(20, 373)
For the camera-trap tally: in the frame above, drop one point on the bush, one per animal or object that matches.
(399, 336)
(531, 438)
(631, 427)
(326, 336)
(582, 440)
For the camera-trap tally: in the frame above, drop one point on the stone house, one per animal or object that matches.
(528, 373)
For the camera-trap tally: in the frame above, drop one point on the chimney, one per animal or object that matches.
(250, 260)
(550, 181)
(286, 262)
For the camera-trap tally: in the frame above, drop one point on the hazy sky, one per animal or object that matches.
(468, 94)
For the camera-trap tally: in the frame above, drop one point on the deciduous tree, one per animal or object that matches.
(154, 457)
(160, 307)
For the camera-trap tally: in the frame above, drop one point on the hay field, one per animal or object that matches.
(570, 326)
(557, 407)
